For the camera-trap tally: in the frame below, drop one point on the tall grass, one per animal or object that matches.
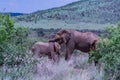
(77, 68)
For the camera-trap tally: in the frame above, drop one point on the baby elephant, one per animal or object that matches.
(51, 49)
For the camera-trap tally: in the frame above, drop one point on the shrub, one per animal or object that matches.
(108, 52)
(15, 59)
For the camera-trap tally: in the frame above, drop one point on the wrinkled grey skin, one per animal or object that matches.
(51, 49)
(84, 42)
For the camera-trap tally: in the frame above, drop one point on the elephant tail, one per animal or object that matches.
(95, 41)
(94, 44)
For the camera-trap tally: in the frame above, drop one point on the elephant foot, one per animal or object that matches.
(67, 58)
(95, 62)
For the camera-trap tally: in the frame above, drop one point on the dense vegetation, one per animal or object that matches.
(15, 59)
(108, 52)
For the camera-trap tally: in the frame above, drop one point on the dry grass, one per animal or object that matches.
(76, 69)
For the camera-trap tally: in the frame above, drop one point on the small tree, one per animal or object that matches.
(14, 49)
(9, 37)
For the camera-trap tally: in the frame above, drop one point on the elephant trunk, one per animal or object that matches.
(53, 40)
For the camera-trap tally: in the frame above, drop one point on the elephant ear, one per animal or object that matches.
(66, 36)
(56, 47)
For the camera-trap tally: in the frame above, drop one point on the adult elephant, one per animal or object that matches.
(50, 49)
(73, 39)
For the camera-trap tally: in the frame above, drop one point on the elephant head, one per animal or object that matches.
(63, 36)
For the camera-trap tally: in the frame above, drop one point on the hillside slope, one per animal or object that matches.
(95, 11)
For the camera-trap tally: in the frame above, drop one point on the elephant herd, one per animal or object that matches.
(83, 41)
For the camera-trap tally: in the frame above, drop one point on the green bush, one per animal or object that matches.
(15, 59)
(12, 40)
(108, 52)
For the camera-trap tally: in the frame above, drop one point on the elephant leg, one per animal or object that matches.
(68, 54)
(89, 60)
(69, 50)
(36, 54)
(54, 56)
(95, 62)
(58, 58)
(49, 56)
(58, 55)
